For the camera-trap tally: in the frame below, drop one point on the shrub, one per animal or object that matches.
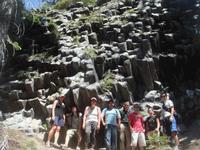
(107, 82)
(76, 40)
(129, 11)
(90, 53)
(63, 4)
(156, 142)
(93, 17)
(42, 57)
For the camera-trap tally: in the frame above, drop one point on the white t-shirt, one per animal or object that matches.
(92, 114)
(167, 104)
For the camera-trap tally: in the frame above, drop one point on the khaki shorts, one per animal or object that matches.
(138, 138)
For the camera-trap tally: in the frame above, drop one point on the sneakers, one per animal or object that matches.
(56, 145)
(48, 144)
(77, 148)
(176, 147)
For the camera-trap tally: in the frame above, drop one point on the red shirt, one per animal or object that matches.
(136, 121)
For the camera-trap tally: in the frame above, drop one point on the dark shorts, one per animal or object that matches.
(58, 121)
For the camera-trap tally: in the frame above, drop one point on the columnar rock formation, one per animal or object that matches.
(133, 43)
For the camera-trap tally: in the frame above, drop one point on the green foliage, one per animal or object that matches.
(15, 44)
(24, 74)
(63, 4)
(76, 40)
(42, 57)
(119, 21)
(74, 24)
(107, 82)
(156, 142)
(90, 53)
(129, 11)
(31, 18)
(54, 29)
(93, 17)
(45, 126)
(89, 2)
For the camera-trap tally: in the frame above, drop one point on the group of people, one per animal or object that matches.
(126, 124)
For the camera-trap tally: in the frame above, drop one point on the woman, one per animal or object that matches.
(169, 121)
(152, 123)
(59, 120)
(91, 122)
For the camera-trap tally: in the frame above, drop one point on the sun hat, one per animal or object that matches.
(94, 98)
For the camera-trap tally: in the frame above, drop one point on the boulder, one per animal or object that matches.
(122, 46)
(39, 108)
(123, 93)
(93, 38)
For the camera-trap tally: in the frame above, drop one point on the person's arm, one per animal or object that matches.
(118, 118)
(171, 113)
(143, 123)
(80, 121)
(99, 118)
(158, 124)
(53, 109)
(103, 117)
(85, 116)
(129, 121)
(64, 118)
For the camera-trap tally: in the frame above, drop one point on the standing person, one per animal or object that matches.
(152, 123)
(111, 119)
(74, 126)
(91, 122)
(125, 134)
(58, 118)
(137, 128)
(169, 121)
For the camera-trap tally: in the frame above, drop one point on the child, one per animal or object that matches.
(152, 123)
(137, 128)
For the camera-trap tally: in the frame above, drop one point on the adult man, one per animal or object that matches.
(125, 135)
(169, 121)
(91, 122)
(111, 119)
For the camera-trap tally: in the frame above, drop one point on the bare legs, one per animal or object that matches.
(175, 137)
(54, 130)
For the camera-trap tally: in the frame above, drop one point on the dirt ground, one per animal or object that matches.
(19, 141)
(190, 140)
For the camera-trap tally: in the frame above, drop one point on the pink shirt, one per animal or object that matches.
(136, 121)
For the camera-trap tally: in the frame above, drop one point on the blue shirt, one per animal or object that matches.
(111, 116)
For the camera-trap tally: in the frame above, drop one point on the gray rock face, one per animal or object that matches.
(39, 108)
(7, 10)
(135, 42)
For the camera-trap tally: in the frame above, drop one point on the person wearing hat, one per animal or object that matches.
(137, 128)
(125, 135)
(169, 121)
(91, 123)
(58, 118)
(111, 119)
